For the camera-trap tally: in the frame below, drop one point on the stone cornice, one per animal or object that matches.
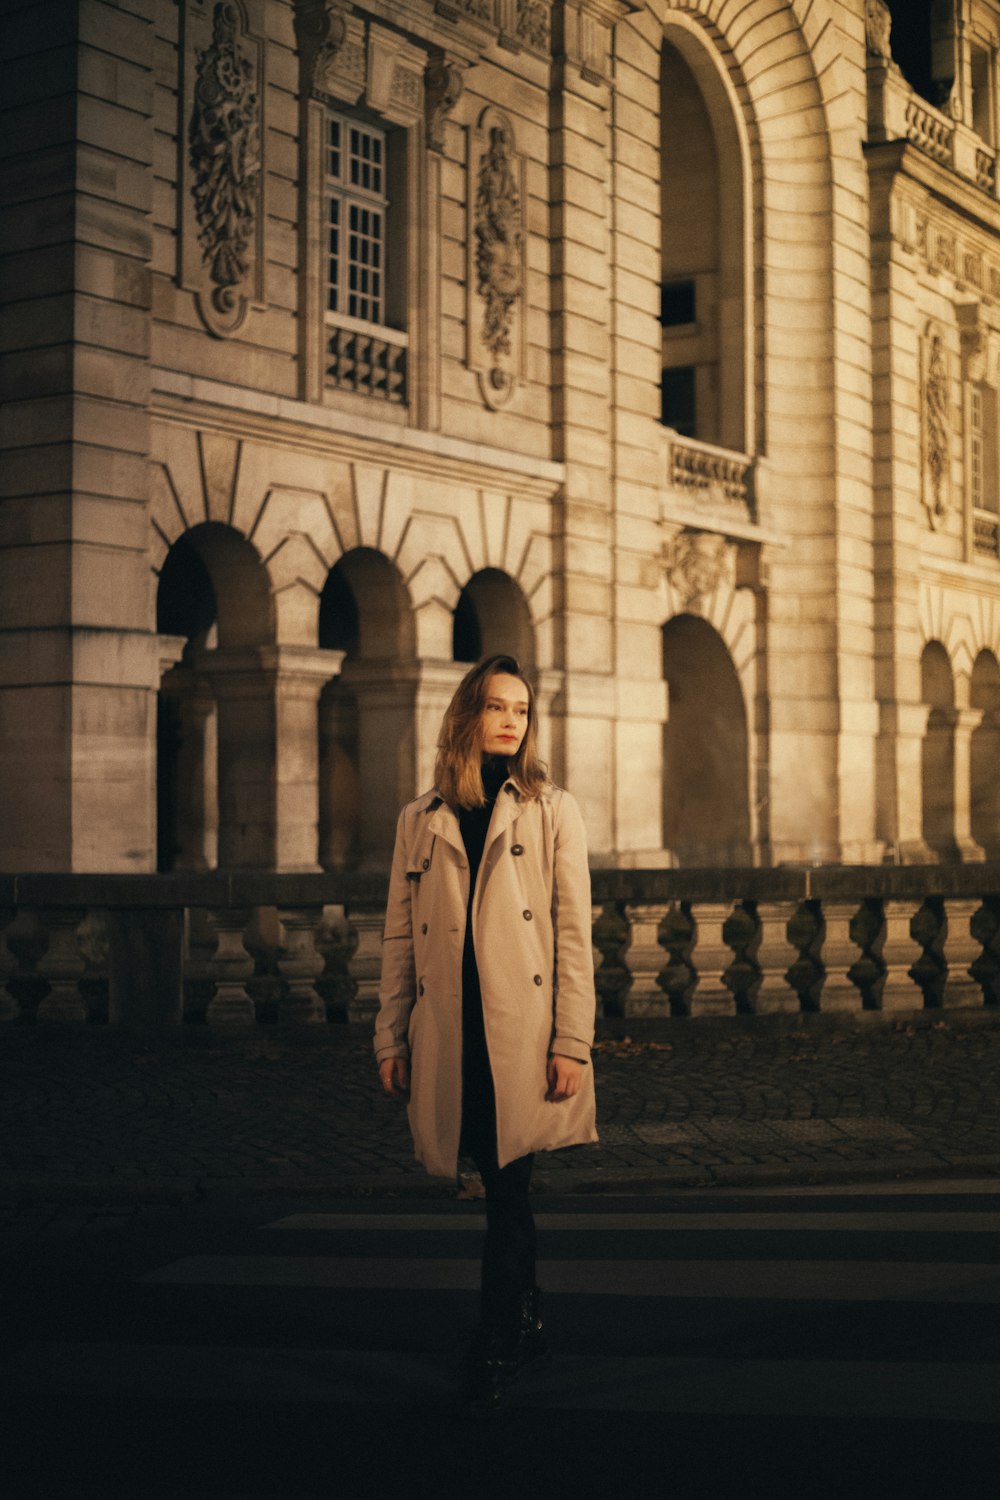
(329, 433)
(902, 159)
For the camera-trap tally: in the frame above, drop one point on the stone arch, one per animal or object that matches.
(937, 690)
(492, 615)
(984, 754)
(367, 711)
(706, 793)
(239, 582)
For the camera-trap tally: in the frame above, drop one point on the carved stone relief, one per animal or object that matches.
(222, 258)
(331, 48)
(533, 24)
(442, 91)
(496, 244)
(695, 563)
(937, 427)
(878, 27)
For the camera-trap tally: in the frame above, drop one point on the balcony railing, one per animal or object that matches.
(985, 534)
(719, 478)
(243, 950)
(368, 362)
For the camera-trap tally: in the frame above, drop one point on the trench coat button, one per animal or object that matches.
(426, 864)
(517, 848)
(423, 927)
(538, 978)
(526, 915)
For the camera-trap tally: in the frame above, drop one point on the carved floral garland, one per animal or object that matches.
(936, 406)
(224, 139)
(499, 240)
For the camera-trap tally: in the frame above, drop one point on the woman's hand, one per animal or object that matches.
(395, 1075)
(564, 1076)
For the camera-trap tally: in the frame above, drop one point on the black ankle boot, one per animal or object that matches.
(501, 1351)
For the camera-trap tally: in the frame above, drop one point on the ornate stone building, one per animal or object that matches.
(656, 342)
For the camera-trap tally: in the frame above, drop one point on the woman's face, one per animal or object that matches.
(505, 715)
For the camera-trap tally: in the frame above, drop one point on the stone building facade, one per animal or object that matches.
(658, 343)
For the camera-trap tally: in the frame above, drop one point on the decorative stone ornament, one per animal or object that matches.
(532, 25)
(332, 49)
(496, 248)
(442, 90)
(937, 427)
(222, 259)
(878, 28)
(695, 564)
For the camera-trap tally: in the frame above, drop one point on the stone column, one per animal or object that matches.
(268, 736)
(195, 770)
(903, 728)
(77, 657)
(386, 694)
(967, 721)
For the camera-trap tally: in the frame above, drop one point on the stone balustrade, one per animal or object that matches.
(238, 950)
(702, 471)
(366, 363)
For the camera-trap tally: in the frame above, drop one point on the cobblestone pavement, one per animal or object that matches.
(95, 1123)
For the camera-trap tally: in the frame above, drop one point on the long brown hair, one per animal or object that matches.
(457, 772)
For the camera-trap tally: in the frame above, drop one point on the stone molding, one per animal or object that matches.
(222, 131)
(695, 564)
(346, 59)
(443, 84)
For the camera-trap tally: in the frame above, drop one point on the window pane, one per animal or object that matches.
(333, 256)
(678, 400)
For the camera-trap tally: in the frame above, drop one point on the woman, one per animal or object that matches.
(487, 994)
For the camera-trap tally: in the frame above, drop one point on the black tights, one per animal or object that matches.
(509, 1250)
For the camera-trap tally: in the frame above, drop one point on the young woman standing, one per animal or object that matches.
(487, 994)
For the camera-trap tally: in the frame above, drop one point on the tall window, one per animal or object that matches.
(356, 172)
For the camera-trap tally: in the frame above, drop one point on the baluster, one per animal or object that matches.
(262, 940)
(897, 953)
(805, 930)
(929, 928)
(678, 935)
(199, 950)
(777, 994)
(8, 1005)
(712, 956)
(365, 965)
(960, 951)
(63, 965)
(853, 979)
(94, 939)
(337, 942)
(985, 969)
(741, 931)
(230, 968)
(300, 965)
(27, 941)
(645, 995)
(610, 936)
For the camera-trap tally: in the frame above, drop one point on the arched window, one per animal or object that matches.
(703, 261)
(984, 769)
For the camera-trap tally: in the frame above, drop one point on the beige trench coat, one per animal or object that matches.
(531, 922)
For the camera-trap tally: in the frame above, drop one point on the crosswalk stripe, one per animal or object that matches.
(874, 1222)
(857, 1281)
(955, 1391)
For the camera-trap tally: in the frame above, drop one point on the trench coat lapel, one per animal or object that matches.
(507, 810)
(444, 824)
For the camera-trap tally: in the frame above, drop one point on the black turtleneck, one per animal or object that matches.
(475, 821)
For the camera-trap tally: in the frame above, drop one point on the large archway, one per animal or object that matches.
(937, 689)
(706, 803)
(366, 713)
(984, 769)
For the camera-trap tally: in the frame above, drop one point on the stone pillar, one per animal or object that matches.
(196, 804)
(268, 736)
(389, 724)
(583, 398)
(967, 721)
(903, 728)
(77, 657)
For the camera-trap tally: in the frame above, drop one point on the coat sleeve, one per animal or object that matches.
(397, 988)
(575, 999)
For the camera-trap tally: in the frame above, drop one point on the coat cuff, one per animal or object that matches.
(395, 1049)
(570, 1046)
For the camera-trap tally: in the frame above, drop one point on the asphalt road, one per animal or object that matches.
(832, 1342)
